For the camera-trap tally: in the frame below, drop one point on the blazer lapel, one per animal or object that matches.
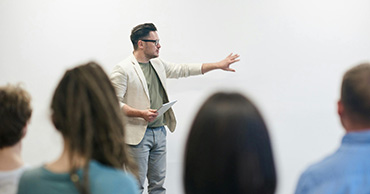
(141, 76)
(159, 70)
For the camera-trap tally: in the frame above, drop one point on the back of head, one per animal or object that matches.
(15, 111)
(141, 31)
(85, 110)
(228, 149)
(355, 93)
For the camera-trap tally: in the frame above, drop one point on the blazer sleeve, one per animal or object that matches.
(174, 70)
(118, 78)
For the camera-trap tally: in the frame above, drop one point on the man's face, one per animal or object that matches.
(151, 50)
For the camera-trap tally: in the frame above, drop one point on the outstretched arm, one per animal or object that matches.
(224, 64)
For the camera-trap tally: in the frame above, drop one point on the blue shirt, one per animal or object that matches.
(102, 179)
(347, 171)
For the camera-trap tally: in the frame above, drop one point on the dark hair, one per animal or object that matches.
(141, 31)
(355, 92)
(86, 112)
(228, 149)
(15, 111)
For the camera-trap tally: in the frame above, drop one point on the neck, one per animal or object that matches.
(353, 123)
(140, 57)
(63, 163)
(357, 129)
(355, 126)
(10, 157)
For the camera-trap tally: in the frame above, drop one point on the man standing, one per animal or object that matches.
(348, 169)
(140, 83)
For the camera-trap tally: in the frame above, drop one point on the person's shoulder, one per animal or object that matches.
(309, 178)
(30, 178)
(33, 172)
(31, 175)
(9, 180)
(321, 167)
(127, 61)
(318, 172)
(121, 178)
(123, 66)
(338, 171)
(111, 180)
(104, 170)
(121, 182)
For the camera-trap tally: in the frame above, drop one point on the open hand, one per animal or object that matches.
(225, 64)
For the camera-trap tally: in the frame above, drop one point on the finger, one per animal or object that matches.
(152, 118)
(233, 61)
(153, 115)
(152, 110)
(235, 56)
(232, 70)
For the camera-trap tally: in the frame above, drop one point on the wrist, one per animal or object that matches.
(219, 65)
(141, 113)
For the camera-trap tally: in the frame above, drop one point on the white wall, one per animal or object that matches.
(293, 54)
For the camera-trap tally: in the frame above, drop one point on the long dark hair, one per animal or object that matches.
(85, 110)
(228, 149)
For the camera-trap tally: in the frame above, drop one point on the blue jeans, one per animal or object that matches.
(150, 156)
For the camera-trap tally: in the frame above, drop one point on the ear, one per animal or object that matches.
(342, 116)
(340, 108)
(24, 130)
(140, 44)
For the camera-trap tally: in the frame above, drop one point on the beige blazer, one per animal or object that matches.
(129, 82)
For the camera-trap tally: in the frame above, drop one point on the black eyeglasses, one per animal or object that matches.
(156, 42)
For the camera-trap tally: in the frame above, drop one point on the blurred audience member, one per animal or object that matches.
(347, 170)
(85, 110)
(15, 112)
(228, 149)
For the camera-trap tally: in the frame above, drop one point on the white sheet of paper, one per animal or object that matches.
(165, 107)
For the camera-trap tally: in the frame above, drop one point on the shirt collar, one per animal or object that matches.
(357, 137)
